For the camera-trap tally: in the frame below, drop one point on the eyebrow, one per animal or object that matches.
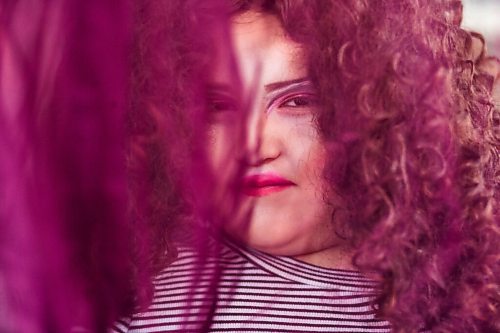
(284, 88)
(215, 86)
(281, 84)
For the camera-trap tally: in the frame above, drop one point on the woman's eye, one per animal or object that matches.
(300, 101)
(221, 105)
(298, 104)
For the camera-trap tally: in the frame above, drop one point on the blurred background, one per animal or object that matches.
(484, 16)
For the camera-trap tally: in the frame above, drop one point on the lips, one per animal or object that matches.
(264, 184)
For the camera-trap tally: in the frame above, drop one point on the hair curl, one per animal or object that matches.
(404, 96)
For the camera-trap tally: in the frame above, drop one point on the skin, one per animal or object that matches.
(281, 139)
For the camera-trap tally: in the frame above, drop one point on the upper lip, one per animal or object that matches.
(265, 180)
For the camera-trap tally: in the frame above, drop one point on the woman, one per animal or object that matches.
(350, 168)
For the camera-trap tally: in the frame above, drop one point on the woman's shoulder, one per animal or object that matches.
(181, 286)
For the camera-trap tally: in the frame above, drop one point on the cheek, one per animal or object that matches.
(221, 151)
(221, 146)
(310, 154)
(224, 152)
(217, 146)
(316, 160)
(312, 172)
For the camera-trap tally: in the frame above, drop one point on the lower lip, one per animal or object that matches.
(265, 190)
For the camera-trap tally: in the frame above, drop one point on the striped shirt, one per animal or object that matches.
(242, 290)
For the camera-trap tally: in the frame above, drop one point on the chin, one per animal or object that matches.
(275, 243)
(272, 246)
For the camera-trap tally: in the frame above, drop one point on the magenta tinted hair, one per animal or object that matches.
(414, 170)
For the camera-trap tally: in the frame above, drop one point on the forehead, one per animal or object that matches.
(256, 29)
(262, 51)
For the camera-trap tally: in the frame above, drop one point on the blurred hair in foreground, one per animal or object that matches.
(103, 160)
(64, 232)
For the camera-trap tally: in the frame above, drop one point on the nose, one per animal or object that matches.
(264, 142)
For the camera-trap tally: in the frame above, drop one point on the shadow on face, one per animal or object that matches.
(263, 134)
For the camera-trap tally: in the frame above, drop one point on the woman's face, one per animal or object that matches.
(263, 133)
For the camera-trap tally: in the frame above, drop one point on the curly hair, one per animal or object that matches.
(419, 168)
(165, 152)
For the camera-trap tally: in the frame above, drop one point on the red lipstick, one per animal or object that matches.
(264, 184)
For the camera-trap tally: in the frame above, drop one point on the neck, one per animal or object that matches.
(336, 257)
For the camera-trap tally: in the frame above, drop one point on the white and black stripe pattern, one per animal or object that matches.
(255, 292)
